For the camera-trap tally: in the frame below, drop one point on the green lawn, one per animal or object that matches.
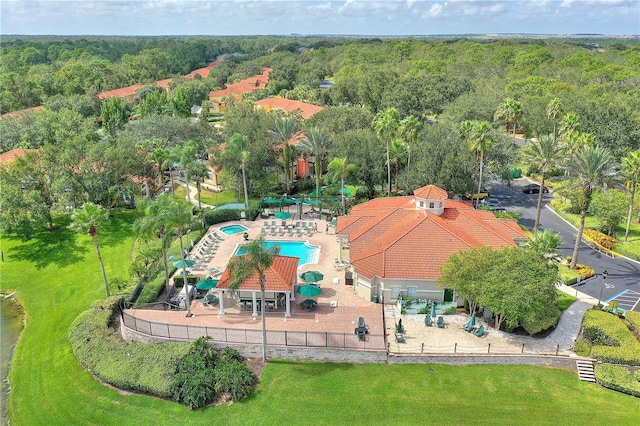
(57, 276)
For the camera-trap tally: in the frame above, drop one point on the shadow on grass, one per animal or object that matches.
(64, 247)
(48, 247)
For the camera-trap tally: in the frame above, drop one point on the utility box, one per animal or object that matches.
(348, 278)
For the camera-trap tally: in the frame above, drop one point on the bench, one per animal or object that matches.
(400, 338)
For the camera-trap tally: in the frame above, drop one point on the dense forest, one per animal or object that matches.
(428, 87)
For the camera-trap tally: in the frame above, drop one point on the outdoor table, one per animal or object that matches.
(308, 304)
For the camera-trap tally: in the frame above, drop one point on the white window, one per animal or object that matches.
(431, 205)
(395, 292)
(412, 292)
(421, 203)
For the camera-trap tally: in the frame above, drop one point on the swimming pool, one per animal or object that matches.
(300, 249)
(233, 229)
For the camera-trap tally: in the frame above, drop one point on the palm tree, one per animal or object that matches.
(398, 151)
(257, 260)
(631, 170)
(410, 129)
(387, 126)
(339, 169)
(554, 110)
(480, 141)
(545, 153)
(316, 142)
(153, 224)
(90, 218)
(510, 111)
(545, 243)
(593, 166)
(239, 143)
(281, 133)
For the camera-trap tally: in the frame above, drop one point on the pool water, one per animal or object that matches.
(233, 229)
(300, 249)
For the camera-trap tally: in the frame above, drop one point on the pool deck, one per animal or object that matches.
(340, 319)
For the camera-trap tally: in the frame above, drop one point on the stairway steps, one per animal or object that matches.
(586, 372)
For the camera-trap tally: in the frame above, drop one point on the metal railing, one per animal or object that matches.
(312, 339)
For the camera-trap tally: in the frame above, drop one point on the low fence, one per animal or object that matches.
(488, 348)
(287, 338)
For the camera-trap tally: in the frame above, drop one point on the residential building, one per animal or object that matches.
(237, 90)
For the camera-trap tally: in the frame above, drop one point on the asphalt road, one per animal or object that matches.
(623, 275)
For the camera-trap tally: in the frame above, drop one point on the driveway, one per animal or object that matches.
(623, 275)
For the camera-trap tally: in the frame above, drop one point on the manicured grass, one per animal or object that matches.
(564, 300)
(57, 276)
(211, 198)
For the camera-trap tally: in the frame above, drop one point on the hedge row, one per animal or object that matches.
(611, 339)
(618, 378)
(634, 319)
(599, 238)
(142, 367)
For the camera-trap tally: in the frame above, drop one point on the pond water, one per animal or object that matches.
(11, 322)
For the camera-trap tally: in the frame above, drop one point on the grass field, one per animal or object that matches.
(57, 276)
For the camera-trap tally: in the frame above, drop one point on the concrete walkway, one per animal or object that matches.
(569, 325)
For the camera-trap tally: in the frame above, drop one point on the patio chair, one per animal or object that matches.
(361, 322)
(290, 231)
(263, 231)
(428, 321)
(480, 331)
(299, 232)
(362, 334)
(400, 338)
(399, 327)
(266, 223)
(209, 300)
(309, 232)
(272, 231)
(281, 231)
(468, 327)
(441, 323)
(274, 223)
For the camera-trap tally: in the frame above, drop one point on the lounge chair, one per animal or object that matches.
(290, 231)
(400, 327)
(266, 223)
(440, 322)
(309, 232)
(299, 232)
(400, 338)
(281, 231)
(480, 331)
(468, 327)
(272, 231)
(361, 333)
(263, 231)
(428, 321)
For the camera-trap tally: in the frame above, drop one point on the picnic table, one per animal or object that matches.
(308, 304)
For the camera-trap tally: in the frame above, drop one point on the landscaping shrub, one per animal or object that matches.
(151, 291)
(215, 216)
(582, 348)
(633, 318)
(204, 373)
(612, 341)
(599, 238)
(142, 367)
(542, 320)
(618, 378)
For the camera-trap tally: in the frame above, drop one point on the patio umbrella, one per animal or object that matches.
(472, 321)
(283, 215)
(433, 310)
(207, 284)
(184, 264)
(309, 290)
(312, 276)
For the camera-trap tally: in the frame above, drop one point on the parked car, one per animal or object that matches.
(484, 193)
(491, 204)
(533, 188)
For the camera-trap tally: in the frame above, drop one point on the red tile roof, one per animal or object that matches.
(203, 72)
(392, 238)
(14, 154)
(280, 277)
(306, 110)
(247, 85)
(16, 115)
(123, 92)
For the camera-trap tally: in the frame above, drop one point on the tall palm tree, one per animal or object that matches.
(238, 145)
(398, 152)
(593, 166)
(257, 260)
(339, 169)
(153, 224)
(387, 125)
(480, 141)
(631, 170)
(283, 130)
(554, 110)
(510, 110)
(90, 218)
(410, 129)
(316, 142)
(544, 153)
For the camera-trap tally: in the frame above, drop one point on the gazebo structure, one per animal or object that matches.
(281, 279)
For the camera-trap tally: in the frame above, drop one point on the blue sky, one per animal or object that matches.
(360, 17)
